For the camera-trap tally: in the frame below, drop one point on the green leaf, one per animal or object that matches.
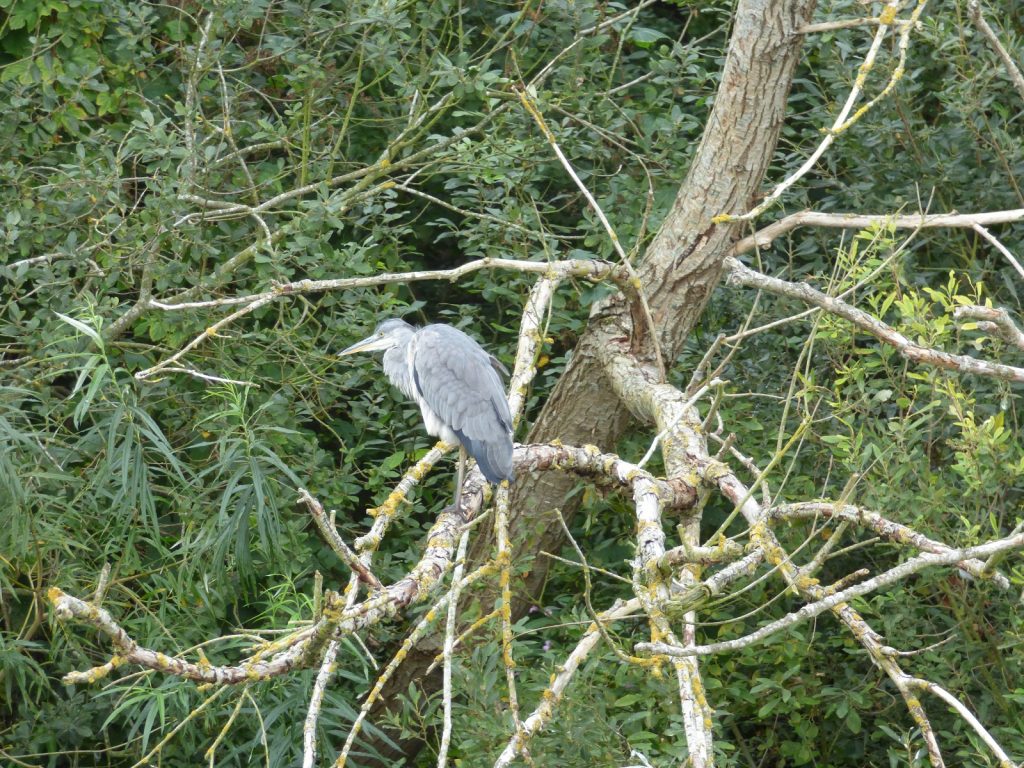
(853, 721)
(92, 333)
(628, 700)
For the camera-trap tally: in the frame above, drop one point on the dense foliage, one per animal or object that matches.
(380, 135)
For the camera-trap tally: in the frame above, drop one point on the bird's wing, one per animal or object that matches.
(454, 376)
(499, 366)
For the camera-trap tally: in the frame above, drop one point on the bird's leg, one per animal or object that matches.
(461, 477)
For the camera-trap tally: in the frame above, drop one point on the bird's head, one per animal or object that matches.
(386, 335)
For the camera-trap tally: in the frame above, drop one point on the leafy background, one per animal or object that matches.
(118, 111)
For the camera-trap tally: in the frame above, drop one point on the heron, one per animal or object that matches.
(456, 384)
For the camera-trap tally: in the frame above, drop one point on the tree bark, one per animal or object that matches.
(680, 268)
(678, 272)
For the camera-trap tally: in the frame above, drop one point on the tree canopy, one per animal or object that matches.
(764, 255)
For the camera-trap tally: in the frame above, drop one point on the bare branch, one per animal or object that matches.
(386, 512)
(764, 237)
(300, 647)
(591, 270)
(211, 331)
(999, 247)
(407, 644)
(937, 690)
(725, 551)
(503, 559)
(741, 275)
(330, 533)
(892, 576)
(211, 751)
(638, 290)
(650, 400)
(192, 715)
(764, 539)
(1016, 77)
(831, 26)
(67, 607)
(315, 702)
(449, 645)
(191, 99)
(544, 711)
(652, 590)
(209, 377)
(683, 411)
(531, 337)
(889, 529)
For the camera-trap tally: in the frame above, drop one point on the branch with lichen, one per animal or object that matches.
(764, 539)
(916, 683)
(316, 699)
(640, 391)
(503, 560)
(408, 643)
(844, 120)
(299, 648)
(531, 338)
(449, 648)
(889, 529)
(333, 538)
(809, 611)
(128, 651)
(652, 590)
(673, 415)
(542, 715)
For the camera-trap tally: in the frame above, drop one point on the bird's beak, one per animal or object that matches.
(369, 344)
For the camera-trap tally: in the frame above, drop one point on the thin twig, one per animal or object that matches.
(587, 589)
(999, 247)
(330, 533)
(844, 119)
(211, 751)
(1016, 77)
(652, 329)
(449, 645)
(209, 377)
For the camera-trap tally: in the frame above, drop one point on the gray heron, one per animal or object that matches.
(457, 387)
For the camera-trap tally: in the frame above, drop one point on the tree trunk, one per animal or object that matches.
(682, 265)
(679, 270)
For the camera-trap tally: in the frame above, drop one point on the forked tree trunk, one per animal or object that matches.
(679, 270)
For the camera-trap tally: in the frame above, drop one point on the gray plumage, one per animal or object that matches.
(456, 385)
